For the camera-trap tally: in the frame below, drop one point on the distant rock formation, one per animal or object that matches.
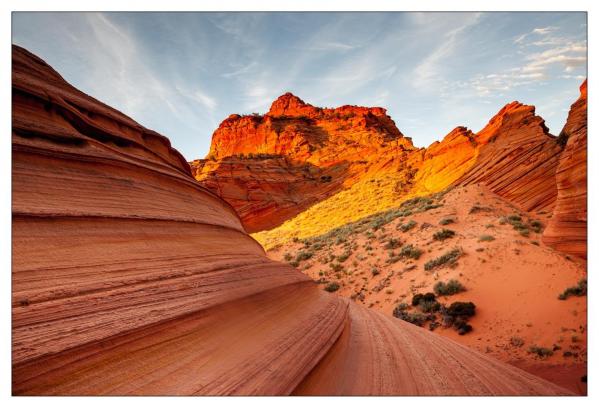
(567, 230)
(130, 278)
(272, 167)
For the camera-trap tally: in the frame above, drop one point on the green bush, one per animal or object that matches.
(452, 287)
(542, 352)
(486, 238)
(407, 226)
(443, 234)
(449, 257)
(410, 251)
(392, 243)
(517, 341)
(461, 309)
(446, 221)
(579, 290)
(332, 287)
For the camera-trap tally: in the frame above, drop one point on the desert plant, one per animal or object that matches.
(392, 243)
(452, 287)
(410, 251)
(332, 287)
(336, 267)
(461, 309)
(443, 234)
(407, 226)
(486, 238)
(579, 290)
(449, 258)
(542, 352)
(447, 221)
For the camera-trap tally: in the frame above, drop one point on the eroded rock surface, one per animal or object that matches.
(567, 230)
(130, 278)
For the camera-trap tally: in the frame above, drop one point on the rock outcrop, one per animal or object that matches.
(274, 166)
(567, 230)
(517, 158)
(130, 278)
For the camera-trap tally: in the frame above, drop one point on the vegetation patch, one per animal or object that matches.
(447, 221)
(449, 258)
(542, 352)
(410, 251)
(452, 287)
(407, 226)
(486, 238)
(579, 290)
(332, 287)
(443, 234)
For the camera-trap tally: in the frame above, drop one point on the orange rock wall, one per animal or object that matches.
(567, 230)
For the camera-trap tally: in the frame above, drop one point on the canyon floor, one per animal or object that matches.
(509, 274)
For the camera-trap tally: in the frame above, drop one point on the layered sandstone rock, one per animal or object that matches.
(130, 278)
(517, 158)
(567, 230)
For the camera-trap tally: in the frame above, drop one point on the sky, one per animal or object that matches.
(181, 74)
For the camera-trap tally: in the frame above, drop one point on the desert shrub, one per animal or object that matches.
(336, 267)
(514, 218)
(462, 326)
(287, 257)
(452, 287)
(486, 238)
(443, 234)
(375, 271)
(303, 256)
(446, 221)
(417, 298)
(542, 352)
(332, 287)
(407, 226)
(579, 290)
(461, 309)
(449, 258)
(536, 226)
(410, 251)
(402, 306)
(477, 208)
(415, 318)
(295, 264)
(392, 243)
(428, 306)
(343, 257)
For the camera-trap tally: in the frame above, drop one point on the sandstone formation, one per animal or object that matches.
(567, 230)
(272, 167)
(130, 278)
(517, 158)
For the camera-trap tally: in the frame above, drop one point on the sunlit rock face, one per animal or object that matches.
(567, 230)
(129, 278)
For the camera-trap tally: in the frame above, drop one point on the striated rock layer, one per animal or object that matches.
(130, 278)
(567, 230)
(517, 158)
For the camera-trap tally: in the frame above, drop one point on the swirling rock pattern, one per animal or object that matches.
(567, 230)
(129, 278)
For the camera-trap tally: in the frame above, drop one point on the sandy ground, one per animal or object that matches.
(513, 280)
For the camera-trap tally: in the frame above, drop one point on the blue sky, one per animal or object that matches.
(181, 74)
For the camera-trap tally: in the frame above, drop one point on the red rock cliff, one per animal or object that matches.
(130, 278)
(567, 230)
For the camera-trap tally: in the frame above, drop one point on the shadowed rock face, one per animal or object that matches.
(130, 278)
(567, 230)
